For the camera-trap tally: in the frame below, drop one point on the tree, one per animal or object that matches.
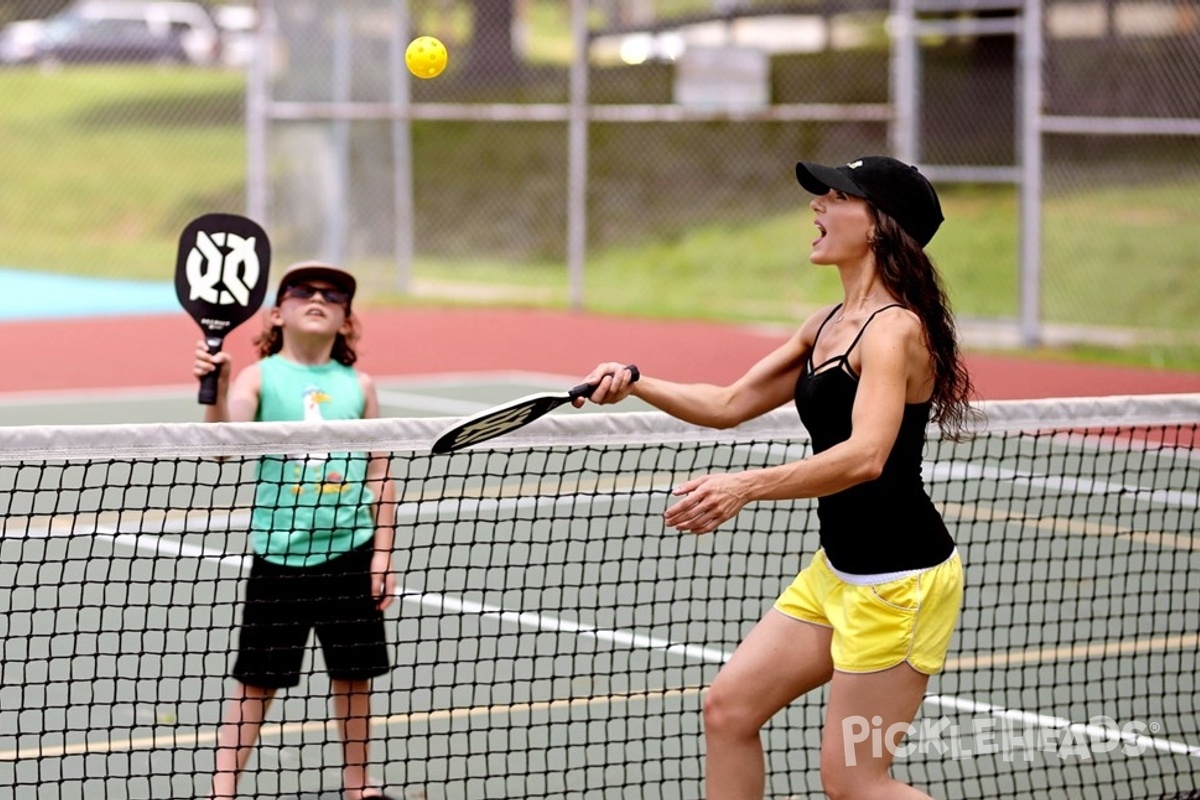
(491, 57)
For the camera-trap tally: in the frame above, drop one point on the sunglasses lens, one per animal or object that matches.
(304, 291)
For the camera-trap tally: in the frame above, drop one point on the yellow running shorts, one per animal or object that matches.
(877, 626)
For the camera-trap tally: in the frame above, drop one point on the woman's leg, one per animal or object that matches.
(352, 708)
(244, 714)
(779, 660)
(863, 726)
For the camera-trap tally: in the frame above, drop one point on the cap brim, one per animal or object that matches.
(819, 179)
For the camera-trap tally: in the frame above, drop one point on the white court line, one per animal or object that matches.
(1063, 484)
(1060, 723)
(936, 472)
(546, 623)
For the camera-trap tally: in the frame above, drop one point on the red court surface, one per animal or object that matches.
(157, 351)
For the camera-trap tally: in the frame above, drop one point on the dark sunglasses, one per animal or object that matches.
(306, 291)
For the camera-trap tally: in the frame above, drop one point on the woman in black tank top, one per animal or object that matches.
(866, 375)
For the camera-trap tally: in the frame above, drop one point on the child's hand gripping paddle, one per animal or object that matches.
(506, 418)
(221, 279)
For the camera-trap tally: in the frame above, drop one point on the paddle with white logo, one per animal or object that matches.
(221, 279)
(506, 418)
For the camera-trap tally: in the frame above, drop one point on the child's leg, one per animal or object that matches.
(352, 708)
(244, 714)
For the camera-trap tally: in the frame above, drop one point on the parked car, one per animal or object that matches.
(103, 31)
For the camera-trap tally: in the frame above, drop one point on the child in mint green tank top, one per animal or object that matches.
(308, 510)
(322, 527)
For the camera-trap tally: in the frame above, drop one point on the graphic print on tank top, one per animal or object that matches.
(313, 398)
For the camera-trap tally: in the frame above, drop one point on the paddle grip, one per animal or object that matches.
(208, 383)
(586, 389)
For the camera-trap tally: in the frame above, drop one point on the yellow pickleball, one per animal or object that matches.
(425, 57)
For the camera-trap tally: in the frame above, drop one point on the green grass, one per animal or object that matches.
(760, 270)
(1127, 256)
(103, 166)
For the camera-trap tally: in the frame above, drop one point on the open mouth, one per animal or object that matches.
(821, 229)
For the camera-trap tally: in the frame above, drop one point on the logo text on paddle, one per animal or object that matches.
(491, 426)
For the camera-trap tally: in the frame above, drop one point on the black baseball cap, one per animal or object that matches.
(306, 271)
(893, 187)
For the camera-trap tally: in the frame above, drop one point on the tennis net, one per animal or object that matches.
(552, 639)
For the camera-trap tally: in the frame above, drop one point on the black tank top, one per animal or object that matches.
(885, 525)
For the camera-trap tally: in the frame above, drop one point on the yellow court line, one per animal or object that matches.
(1054, 655)
(329, 727)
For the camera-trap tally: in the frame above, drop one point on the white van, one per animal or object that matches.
(89, 29)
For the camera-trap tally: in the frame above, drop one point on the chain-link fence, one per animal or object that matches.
(1121, 170)
(652, 177)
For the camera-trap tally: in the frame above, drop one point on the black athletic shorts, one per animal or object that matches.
(284, 604)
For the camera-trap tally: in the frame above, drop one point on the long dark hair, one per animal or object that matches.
(270, 341)
(910, 275)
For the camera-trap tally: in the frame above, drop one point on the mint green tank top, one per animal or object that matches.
(309, 509)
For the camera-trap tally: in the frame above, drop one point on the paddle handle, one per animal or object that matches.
(586, 389)
(208, 383)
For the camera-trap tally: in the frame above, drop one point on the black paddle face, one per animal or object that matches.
(221, 278)
(508, 417)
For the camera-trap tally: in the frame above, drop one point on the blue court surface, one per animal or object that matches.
(26, 295)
